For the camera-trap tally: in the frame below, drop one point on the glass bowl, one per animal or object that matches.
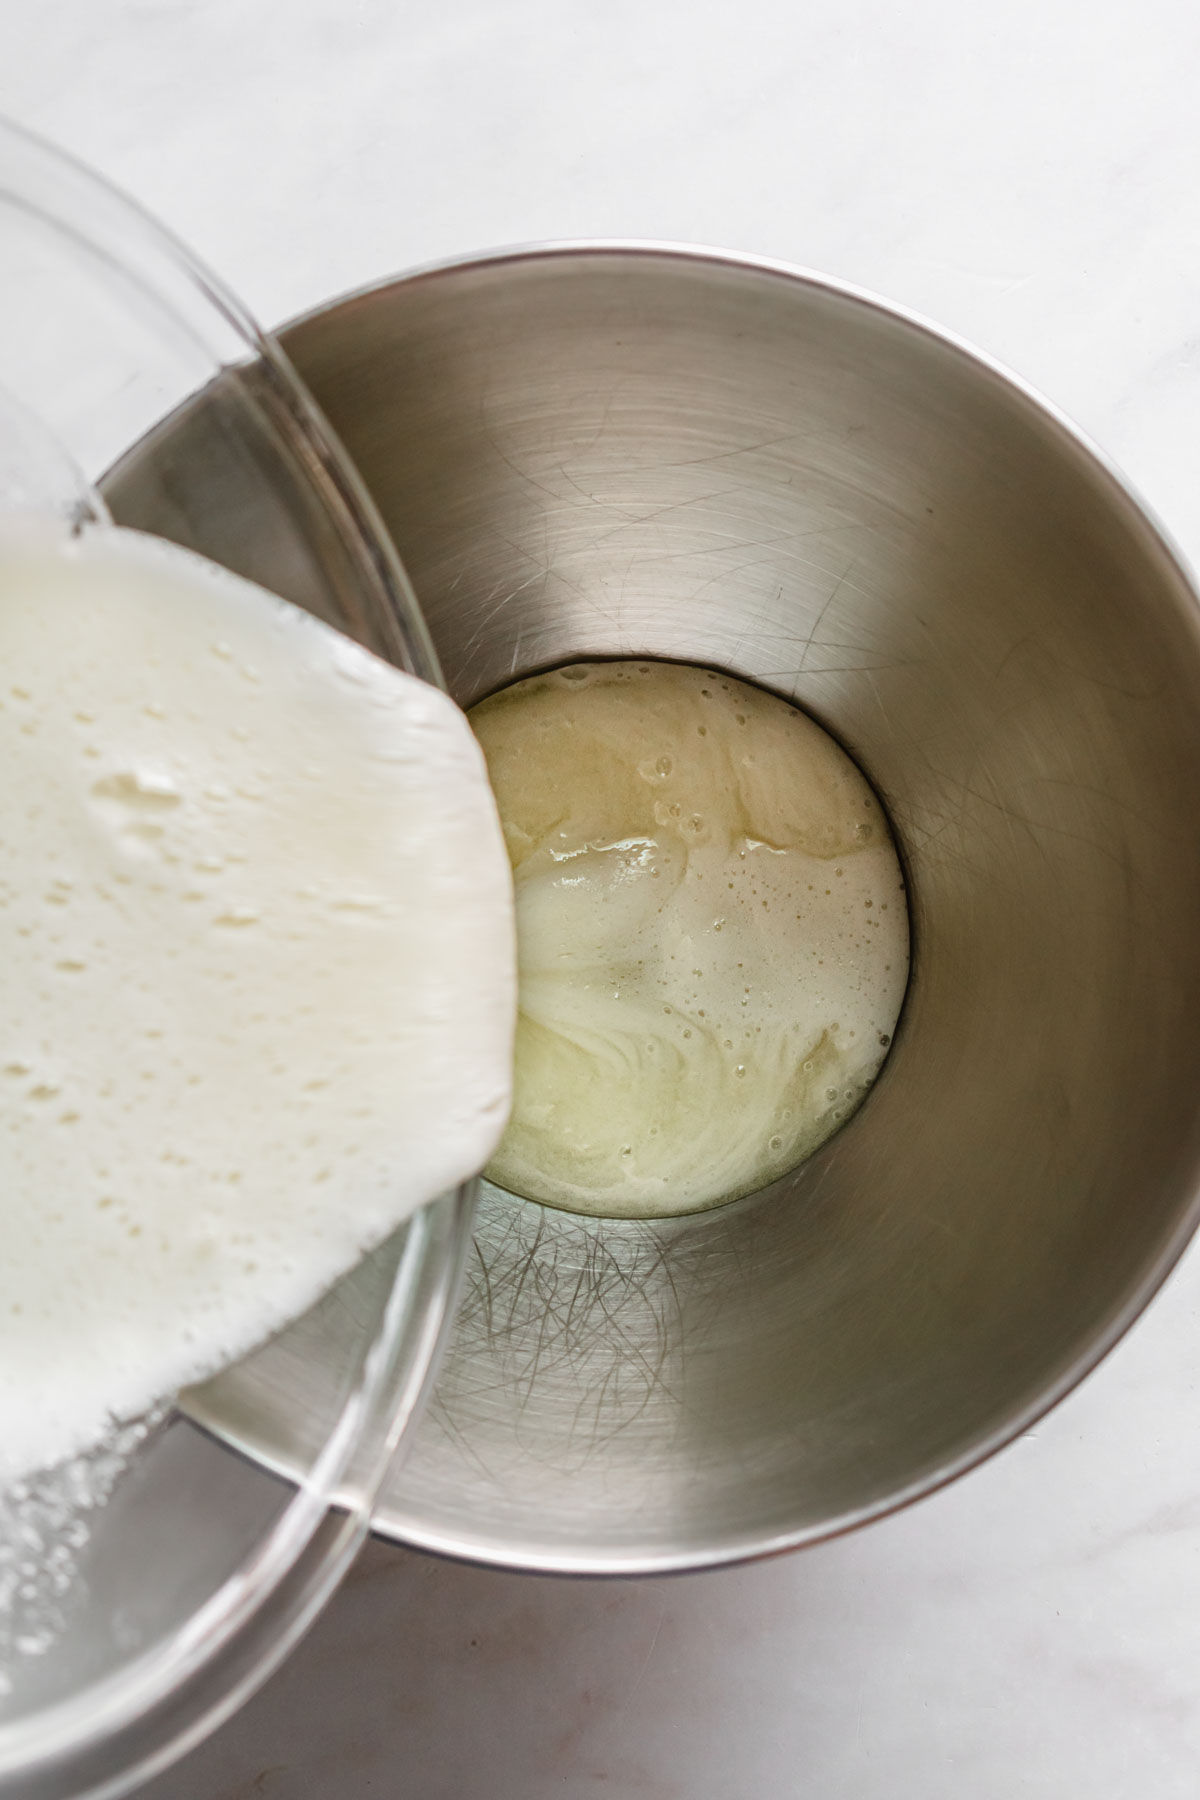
(147, 1588)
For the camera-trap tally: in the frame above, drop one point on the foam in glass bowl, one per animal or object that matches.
(148, 1587)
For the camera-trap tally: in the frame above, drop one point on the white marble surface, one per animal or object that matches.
(1029, 174)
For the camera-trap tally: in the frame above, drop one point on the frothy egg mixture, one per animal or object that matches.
(256, 972)
(712, 935)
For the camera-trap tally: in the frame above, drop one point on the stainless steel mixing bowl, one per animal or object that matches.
(621, 451)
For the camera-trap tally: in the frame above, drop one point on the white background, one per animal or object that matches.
(1028, 173)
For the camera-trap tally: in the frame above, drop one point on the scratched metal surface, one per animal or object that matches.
(596, 453)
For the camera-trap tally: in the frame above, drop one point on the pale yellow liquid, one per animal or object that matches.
(712, 935)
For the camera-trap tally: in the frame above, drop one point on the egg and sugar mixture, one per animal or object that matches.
(257, 979)
(256, 972)
(712, 935)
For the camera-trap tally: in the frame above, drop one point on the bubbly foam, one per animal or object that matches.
(712, 935)
(256, 972)
(45, 1533)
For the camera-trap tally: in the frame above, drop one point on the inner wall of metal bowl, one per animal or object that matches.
(623, 454)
